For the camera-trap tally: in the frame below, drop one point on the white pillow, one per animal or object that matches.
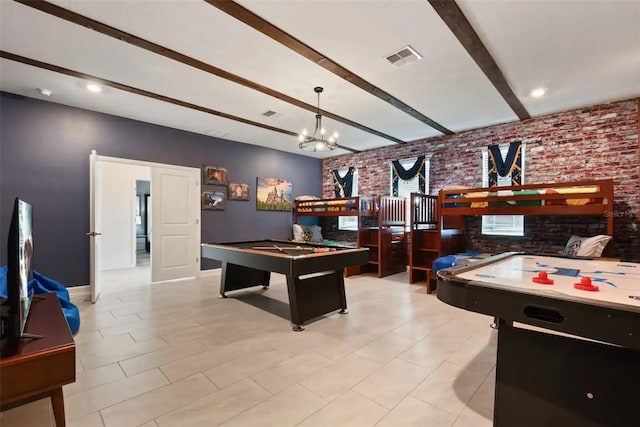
(593, 246)
(307, 233)
(298, 233)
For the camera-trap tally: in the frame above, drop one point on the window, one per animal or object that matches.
(501, 225)
(349, 223)
(405, 188)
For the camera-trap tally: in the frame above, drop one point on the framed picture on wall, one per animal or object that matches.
(214, 175)
(238, 191)
(213, 200)
(273, 194)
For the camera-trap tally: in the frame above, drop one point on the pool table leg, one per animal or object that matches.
(235, 277)
(343, 295)
(296, 322)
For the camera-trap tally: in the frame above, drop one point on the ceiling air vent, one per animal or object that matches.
(269, 113)
(404, 56)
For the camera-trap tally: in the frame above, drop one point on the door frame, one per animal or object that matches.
(96, 274)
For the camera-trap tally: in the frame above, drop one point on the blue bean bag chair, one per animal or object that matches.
(42, 285)
(455, 259)
(444, 262)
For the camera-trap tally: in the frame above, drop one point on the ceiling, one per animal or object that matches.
(214, 67)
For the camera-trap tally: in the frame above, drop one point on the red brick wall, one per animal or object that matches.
(589, 143)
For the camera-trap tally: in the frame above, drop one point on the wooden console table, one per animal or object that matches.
(37, 368)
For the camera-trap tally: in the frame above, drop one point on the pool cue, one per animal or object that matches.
(296, 248)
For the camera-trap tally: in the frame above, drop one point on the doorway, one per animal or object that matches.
(143, 217)
(123, 191)
(125, 262)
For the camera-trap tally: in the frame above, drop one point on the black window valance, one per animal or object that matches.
(343, 186)
(400, 173)
(511, 166)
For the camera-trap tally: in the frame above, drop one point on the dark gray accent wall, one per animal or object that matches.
(44, 159)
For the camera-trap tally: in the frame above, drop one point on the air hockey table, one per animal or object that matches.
(568, 351)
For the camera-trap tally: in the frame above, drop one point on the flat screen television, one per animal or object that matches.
(19, 273)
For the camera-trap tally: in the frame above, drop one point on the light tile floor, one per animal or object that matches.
(174, 354)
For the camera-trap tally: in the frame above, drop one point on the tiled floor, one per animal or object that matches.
(174, 354)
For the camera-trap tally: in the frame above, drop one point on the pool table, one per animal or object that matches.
(315, 278)
(568, 349)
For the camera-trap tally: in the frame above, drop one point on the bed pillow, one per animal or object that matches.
(593, 246)
(307, 233)
(298, 233)
(312, 233)
(573, 245)
(586, 246)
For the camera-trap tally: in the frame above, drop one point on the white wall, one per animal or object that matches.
(118, 213)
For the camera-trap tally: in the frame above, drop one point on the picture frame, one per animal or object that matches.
(213, 200)
(273, 194)
(238, 190)
(214, 175)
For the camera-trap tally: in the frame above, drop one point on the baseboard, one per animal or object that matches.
(209, 272)
(77, 291)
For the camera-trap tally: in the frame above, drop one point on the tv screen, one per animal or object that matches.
(19, 273)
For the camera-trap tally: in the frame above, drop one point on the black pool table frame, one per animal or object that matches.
(315, 281)
(548, 379)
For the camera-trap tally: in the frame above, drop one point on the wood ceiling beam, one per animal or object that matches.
(107, 30)
(451, 14)
(265, 27)
(141, 92)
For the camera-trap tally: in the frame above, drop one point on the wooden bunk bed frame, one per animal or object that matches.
(343, 206)
(386, 238)
(437, 222)
(522, 201)
(431, 236)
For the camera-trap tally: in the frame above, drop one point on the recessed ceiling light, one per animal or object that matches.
(44, 92)
(538, 92)
(93, 87)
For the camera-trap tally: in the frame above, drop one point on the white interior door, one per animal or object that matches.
(175, 223)
(95, 226)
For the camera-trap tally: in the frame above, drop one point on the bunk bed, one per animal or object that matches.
(344, 206)
(593, 197)
(437, 225)
(431, 237)
(382, 230)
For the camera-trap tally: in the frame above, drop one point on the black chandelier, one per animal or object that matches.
(317, 141)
